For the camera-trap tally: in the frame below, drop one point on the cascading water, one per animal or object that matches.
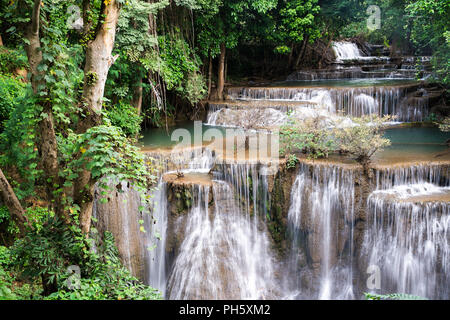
(346, 50)
(390, 177)
(224, 255)
(357, 101)
(156, 227)
(408, 240)
(221, 247)
(321, 204)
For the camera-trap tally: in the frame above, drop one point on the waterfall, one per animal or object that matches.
(345, 50)
(388, 178)
(356, 101)
(156, 227)
(408, 230)
(365, 105)
(322, 201)
(224, 254)
(409, 241)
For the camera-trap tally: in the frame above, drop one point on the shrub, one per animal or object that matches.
(125, 117)
(51, 250)
(11, 60)
(364, 138)
(11, 90)
(307, 136)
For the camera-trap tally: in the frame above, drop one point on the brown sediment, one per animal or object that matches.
(438, 197)
(189, 179)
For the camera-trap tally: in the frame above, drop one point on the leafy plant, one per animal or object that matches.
(125, 117)
(364, 138)
(307, 136)
(12, 90)
(11, 60)
(393, 296)
(105, 278)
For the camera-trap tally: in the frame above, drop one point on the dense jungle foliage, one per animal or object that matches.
(79, 79)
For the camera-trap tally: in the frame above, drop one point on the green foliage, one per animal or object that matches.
(18, 143)
(106, 279)
(307, 136)
(50, 251)
(47, 251)
(5, 219)
(291, 161)
(11, 60)
(430, 27)
(178, 66)
(12, 90)
(125, 117)
(393, 296)
(297, 20)
(108, 155)
(4, 256)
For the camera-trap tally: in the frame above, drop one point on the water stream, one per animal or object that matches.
(333, 227)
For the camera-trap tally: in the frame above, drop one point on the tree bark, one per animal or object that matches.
(1, 41)
(302, 51)
(210, 76)
(33, 48)
(98, 62)
(137, 96)
(47, 145)
(221, 73)
(12, 203)
(87, 19)
(99, 59)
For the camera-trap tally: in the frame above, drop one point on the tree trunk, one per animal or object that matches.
(98, 62)
(33, 49)
(12, 203)
(302, 52)
(99, 59)
(1, 41)
(225, 71)
(88, 21)
(221, 73)
(47, 144)
(210, 76)
(137, 96)
(290, 58)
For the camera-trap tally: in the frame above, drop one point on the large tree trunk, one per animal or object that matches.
(12, 203)
(98, 62)
(221, 73)
(33, 49)
(47, 144)
(99, 59)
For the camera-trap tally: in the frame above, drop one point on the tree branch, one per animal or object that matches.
(12, 203)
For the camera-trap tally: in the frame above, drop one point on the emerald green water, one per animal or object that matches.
(407, 144)
(162, 138)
